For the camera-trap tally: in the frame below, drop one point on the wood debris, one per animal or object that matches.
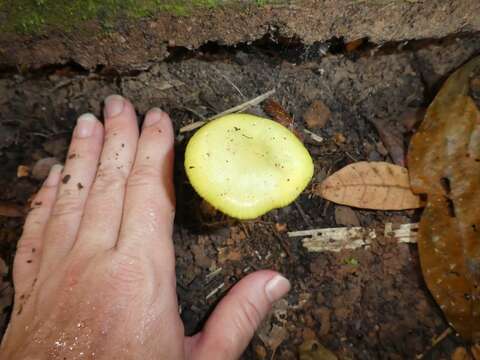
(351, 238)
(215, 291)
(313, 136)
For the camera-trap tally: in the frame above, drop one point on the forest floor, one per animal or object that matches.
(367, 303)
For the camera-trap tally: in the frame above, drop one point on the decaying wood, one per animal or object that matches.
(370, 185)
(350, 238)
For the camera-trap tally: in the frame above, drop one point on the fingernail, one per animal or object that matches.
(152, 117)
(85, 126)
(54, 175)
(277, 288)
(114, 105)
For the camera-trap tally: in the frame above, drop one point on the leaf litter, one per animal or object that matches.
(444, 164)
(370, 185)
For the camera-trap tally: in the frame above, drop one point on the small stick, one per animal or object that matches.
(303, 215)
(232, 110)
(214, 273)
(435, 342)
(214, 291)
(245, 230)
(282, 244)
(230, 82)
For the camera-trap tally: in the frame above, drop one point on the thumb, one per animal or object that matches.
(234, 321)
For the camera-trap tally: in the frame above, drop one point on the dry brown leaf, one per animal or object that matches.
(370, 185)
(475, 349)
(11, 210)
(278, 113)
(461, 353)
(444, 160)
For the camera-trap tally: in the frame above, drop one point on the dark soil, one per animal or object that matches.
(137, 43)
(363, 304)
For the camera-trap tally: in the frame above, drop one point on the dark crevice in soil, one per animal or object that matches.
(272, 45)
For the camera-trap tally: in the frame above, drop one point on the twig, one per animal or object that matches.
(303, 215)
(213, 274)
(214, 291)
(282, 244)
(230, 82)
(194, 112)
(232, 110)
(435, 342)
(350, 156)
(245, 230)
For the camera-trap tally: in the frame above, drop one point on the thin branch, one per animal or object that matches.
(235, 109)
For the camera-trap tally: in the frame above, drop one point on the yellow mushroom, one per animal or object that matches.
(246, 165)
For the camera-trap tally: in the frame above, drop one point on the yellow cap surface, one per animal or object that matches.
(246, 165)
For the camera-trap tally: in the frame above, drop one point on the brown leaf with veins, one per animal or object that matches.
(370, 185)
(444, 162)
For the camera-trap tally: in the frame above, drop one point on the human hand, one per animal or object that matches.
(94, 271)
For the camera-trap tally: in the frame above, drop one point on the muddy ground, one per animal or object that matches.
(360, 304)
(34, 36)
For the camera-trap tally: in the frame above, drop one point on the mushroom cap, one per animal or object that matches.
(245, 165)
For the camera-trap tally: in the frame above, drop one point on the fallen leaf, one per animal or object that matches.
(461, 353)
(370, 185)
(475, 349)
(317, 115)
(444, 161)
(344, 215)
(278, 113)
(11, 210)
(313, 350)
(22, 171)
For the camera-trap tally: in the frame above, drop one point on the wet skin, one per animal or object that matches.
(94, 271)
